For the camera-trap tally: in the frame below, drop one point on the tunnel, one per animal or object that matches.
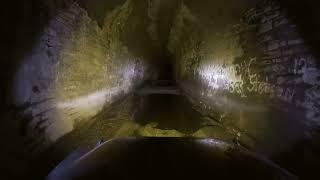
(241, 72)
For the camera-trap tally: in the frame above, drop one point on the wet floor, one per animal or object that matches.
(170, 115)
(262, 128)
(169, 112)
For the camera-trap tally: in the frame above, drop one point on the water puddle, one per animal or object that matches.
(168, 112)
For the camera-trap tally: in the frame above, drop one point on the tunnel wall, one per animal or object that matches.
(288, 63)
(251, 63)
(229, 64)
(232, 63)
(76, 67)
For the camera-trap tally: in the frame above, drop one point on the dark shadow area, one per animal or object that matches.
(170, 158)
(170, 112)
(302, 157)
(166, 71)
(306, 15)
(98, 9)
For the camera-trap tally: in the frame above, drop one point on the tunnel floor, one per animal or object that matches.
(156, 109)
(163, 111)
(169, 112)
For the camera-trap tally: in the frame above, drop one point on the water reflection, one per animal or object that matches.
(168, 112)
(268, 130)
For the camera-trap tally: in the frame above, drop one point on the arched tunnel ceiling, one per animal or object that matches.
(248, 71)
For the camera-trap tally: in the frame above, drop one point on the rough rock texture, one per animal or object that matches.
(253, 73)
(233, 66)
(286, 65)
(75, 68)
(249, 73)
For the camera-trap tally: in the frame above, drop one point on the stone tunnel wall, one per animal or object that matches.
(231, 65)
(249, 65)
(286, 70)
(286, 62)
(71, 59)
(235, 67)
(77, 67)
